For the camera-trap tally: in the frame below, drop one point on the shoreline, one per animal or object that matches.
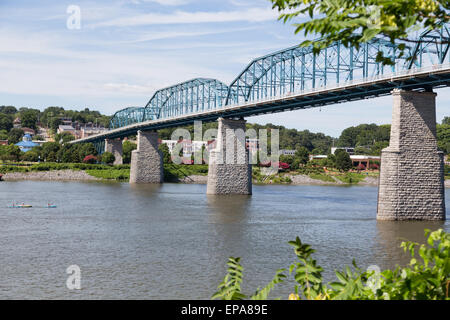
(80, 175)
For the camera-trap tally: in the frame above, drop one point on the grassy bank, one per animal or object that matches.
(175, 173)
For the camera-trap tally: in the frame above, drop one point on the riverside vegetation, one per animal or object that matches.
(427, 277)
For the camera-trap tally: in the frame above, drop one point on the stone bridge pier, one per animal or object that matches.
(146, 161)
(411, 185)
(229, 169)
(115, 147)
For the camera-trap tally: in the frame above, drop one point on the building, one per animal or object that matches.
(66, 128)
(366, 161)
(317, 157)
(286, 152)
(3, 142)
(17, 123)
(189, 146)
(349, 150)
(29, 131)
(26, 144)
(90, 131)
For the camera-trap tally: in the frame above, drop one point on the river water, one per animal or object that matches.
(172, 241)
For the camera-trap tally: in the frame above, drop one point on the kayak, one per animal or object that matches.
(52, 206)
(21, 206)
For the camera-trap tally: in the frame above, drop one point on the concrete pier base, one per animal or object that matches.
(412, 169)
(115, 147)
(146, 161)
(229, 169)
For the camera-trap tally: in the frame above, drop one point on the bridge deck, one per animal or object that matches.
(415, 79)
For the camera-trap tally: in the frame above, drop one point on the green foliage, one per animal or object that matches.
(108, 158)
(175, 172)
(15, 135)
(364, 135)
(322, 177)
(427, 277)
(6, 122)
(351, 178)
(127, 148)
(307, 273)
(9, 152)
(353, 22)
(30, 156)
(302, 155)
(443, 136)
(343, 161)
(29, 118)
(230, 287)
(113, 174)
(8, 110)
(164, 149)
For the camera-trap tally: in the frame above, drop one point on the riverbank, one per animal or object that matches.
(123, 175)
(57, 175)
(188, 174)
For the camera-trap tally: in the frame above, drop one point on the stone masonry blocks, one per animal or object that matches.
(412, 168)
(115, 147)
(146, 161)
(235, 175)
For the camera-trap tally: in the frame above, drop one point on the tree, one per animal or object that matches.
(49, 151)
(108, 158)
(29, 118)
(8, 110)
(86, 149)
(6, 122)
(15, 135)
(127, 148)
(167, 158)
(443, 136)
(343, 161)
(3, 135)
(31, 156)
(353, 22)
(302, 155)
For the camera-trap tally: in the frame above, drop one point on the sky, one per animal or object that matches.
(125, 50)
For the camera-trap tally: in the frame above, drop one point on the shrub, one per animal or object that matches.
(30, 156)
(108, 158)
(427, 277)
(361, 167)
(90, 159)
(343, 161)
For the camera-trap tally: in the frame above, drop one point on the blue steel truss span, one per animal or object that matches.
(294, 78)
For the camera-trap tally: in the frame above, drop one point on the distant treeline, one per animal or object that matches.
(49, 117)
(367, 139)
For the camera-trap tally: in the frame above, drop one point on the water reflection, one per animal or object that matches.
(228, 209)
(392, 233)
(145, 189)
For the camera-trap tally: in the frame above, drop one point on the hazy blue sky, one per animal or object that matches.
(127, 49)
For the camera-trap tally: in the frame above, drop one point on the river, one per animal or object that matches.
(172, 241)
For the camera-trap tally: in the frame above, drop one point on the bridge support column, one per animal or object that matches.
(229, 169)
(411, 185)
(146, 161)
(115, 147)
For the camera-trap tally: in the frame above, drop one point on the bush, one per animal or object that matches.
(427, 277)
(343, 161)
(108, 158)
(90, 159)
(30, 156)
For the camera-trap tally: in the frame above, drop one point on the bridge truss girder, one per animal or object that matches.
(289, 71)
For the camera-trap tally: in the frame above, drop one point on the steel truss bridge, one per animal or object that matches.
(291, 79)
